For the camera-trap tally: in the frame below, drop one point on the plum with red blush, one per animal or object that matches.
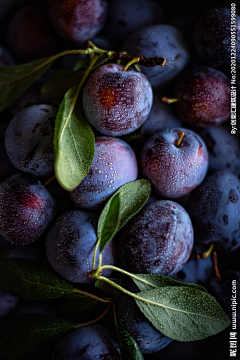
(203, 95)
(117, 102)
(26, 209)
(77, 21)
(30, 35)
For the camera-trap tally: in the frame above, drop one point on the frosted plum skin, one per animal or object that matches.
(114, 165)
(117, 102)
(158, 240)
(174, 171)
(214, 210)
(70, 246)
(162, 41)
(30, 35)
(29, 140)
(223, 149)
(78, 21)
(26, 209)
(92, 342)
(121, 22)
(204, 97)
(130, 317)
(212, 36)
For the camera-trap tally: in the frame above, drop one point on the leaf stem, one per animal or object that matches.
(133, 276)
(106, 301)
(98, 318)
(49, 180)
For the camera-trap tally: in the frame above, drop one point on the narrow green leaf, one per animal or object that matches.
(109, 224)
(21, 334)
(109, 289)
(152, 281)
(128, 346)
(58, 83)
(132, 196)
(183, 313)
(28, 281)
(73, 143)
(15, 80)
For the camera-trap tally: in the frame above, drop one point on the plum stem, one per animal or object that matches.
(181, 135)
(216, 269)
(205, 254)
(49, 180)
(131, 62)
(169, 100)
(98, 318)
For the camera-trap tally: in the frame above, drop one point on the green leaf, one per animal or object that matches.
(15, 80)
(128, 346)
(132, 196)
(21, 334)
(109, 289)
(81, 310)
(183, 313)
(108, 225)
(28, 281)
(73, 143)
(152, 281)
(82, 64)
(58, 83)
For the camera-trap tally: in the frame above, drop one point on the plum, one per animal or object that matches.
(214, 210)
(26, 209)
(117, 102)
(70, 246)
(158, 240)
(29, 140)
(174, 169)
(114, 165)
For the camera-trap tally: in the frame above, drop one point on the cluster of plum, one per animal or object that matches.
(185, 149)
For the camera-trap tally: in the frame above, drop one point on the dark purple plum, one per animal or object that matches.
(29, 140)
(214, 208)
(121, 22)
(212, 38)
(130, 317)
(117, 102)
(26, 209)
(196, 271)
(223, 149)
(92, 342)
(6, 58)
(204, 97)
(161, 117)
(114, 165)
(70, 246)
(162, 41)
(174, 169)
(8, 303)
(78, 21)
(158, 240)
(30, 37)
(227, 293)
